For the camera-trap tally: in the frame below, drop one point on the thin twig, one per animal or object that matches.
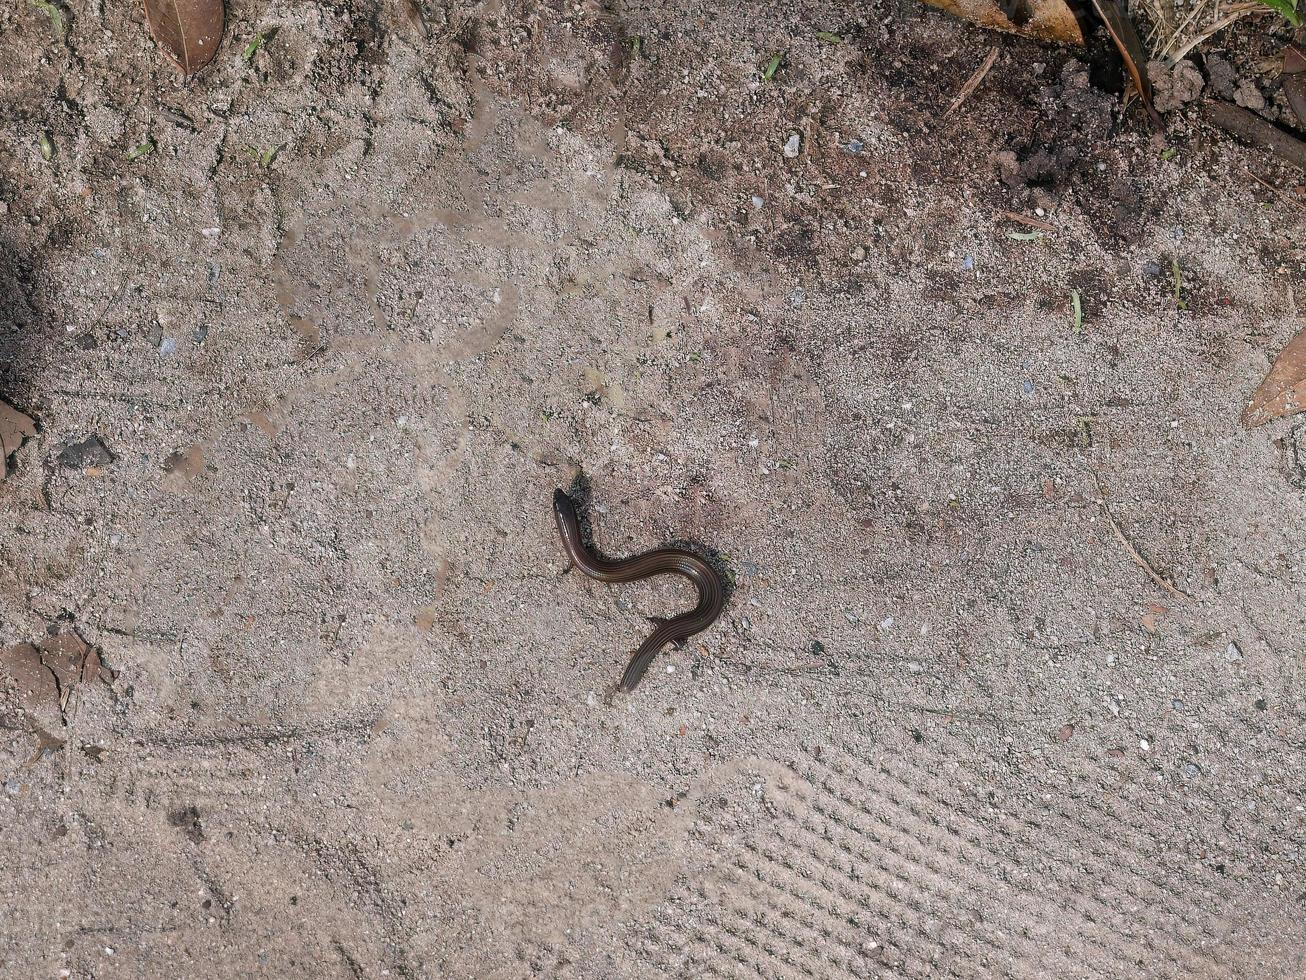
(1283, 194)
(973, 82)
(1235, 12)
(1162, 583)
(1025, 219)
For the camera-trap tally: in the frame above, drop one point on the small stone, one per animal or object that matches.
(798, 298)
(1233, 653)
(792, 145)
(757, 202)
(167, 346)
(857, 253)
(89, 452)
(1192, 770)
(854, 146)
(1144, 744)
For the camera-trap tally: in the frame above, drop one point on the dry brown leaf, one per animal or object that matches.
(1294, 75)
(1044, 20)
(1122, 32)
(188, 31)
(1283, 392)
(33, 683)
(14, 428)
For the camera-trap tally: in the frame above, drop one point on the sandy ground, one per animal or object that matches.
(355, 721)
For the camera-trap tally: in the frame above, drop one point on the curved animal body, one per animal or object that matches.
(659, 561)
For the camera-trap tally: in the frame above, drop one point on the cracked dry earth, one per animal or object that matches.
(339, 712)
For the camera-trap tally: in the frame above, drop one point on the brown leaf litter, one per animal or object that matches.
(15, 427)
(1283, 392)
(1043, 20)
(187, 31)
(41, 678)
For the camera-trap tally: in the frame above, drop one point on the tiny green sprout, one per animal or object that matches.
(695, 356)
(252, 48)
(636, 45)
(141, 150)
(53, 12)
(830, 37)
(1076, 304)
(1025, 236)
(47, 147)
(1169, 153)
(1178, 284)
(264, 157)
(773, 66)
(1084, 431)
(1287, 8)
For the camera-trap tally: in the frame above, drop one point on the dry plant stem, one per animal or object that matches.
(1142, 562)
(1234, 13)
(1160, 581)
(1278, 193)
(1253, 129)
(1025, 219)
(973, 82)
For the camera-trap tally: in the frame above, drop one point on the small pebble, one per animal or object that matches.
(792, 145)
(1233, 653)
(757, 202)
(1192, 770)
(854, 146)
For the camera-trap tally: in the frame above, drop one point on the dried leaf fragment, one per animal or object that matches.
(1283, 392)
(188, 31)
(33, 684)
(1126, 40)
(1043, 20)
(14, 428)
(1294, 75)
